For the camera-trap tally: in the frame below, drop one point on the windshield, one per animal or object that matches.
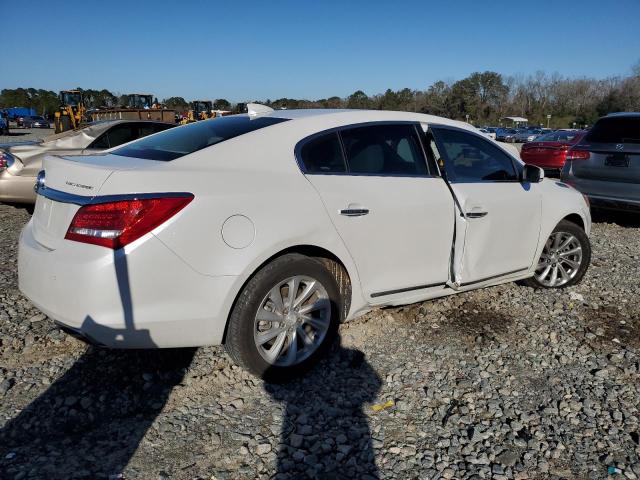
(616, 130)
(177, 142)
(561, 136)
(71, 98)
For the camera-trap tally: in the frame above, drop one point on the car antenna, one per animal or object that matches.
(254, 109)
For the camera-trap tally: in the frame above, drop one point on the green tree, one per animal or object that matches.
(176, 103)
(222, 104)
(358, 99)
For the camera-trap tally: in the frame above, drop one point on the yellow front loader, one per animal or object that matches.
(71, 112)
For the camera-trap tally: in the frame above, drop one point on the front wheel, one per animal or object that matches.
(565, 258)
(285, 318)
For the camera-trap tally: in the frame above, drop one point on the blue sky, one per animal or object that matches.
(242, 50)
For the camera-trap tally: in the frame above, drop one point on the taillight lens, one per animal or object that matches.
(116, 224)
(577, 154)
(6, 160)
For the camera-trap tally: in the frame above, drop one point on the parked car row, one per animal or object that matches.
(21, 162)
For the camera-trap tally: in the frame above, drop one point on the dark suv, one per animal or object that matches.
(605, 164)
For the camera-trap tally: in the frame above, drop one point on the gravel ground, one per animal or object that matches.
(505, 382)
(25, 134)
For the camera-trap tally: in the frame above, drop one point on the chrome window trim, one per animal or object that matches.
(347, 173)
(82, 200)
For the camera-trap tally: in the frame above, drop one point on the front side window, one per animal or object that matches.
(384, 150)
(323, 155)
(177, 142)
(470, 158)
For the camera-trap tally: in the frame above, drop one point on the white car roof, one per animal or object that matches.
(346, 116)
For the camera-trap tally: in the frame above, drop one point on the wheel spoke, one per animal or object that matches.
(267, 335)
(318, 324)
(556, 240)
(302, 333)
(293, 284)
(267, 316)
(276, 297)
(544, 274)
(554, 276)
(564, 244)
(573, 251)
(321, 304)
(305, 295)
(292, 350)
(563, 273)
(274, 352)
(573, 264)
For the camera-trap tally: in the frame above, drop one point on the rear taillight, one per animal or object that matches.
(577, 154)
(116, 224)
(6, 160)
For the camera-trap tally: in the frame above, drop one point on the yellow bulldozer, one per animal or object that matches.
(200, 110)
(71, 111)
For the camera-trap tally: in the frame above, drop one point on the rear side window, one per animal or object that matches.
(615, 130)
(323, 155)
(177, 142)
(384, 150)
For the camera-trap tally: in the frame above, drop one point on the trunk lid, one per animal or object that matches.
(609, 162)
(74, 179)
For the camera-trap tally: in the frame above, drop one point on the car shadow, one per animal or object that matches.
(90, 421)
(325, 433)
(619, 217)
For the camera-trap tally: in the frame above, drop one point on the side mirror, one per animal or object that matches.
(532, 174)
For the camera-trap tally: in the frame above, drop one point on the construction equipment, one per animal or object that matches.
(200, 110)
(138, 106)
(71, 111)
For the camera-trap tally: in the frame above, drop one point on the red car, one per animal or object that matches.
(549, 151)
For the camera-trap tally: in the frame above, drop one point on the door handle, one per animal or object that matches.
(354, 212)
(477, 214)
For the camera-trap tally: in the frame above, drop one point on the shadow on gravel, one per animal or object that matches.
(89, 423)
(325, 432)
(621, 218)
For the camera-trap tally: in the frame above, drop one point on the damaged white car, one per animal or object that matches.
(265, 231)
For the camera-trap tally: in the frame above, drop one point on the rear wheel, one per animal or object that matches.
(565, 258)
(285, 318)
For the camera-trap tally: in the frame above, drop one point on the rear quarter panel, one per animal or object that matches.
(257, 179)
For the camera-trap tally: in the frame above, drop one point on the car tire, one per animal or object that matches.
(263, 325)
(567, 251)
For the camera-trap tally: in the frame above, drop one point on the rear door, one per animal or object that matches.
(393, 213)
(612, 168)
(500, 221)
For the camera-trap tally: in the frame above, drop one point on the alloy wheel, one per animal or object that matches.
(560, 260)
(292, 321)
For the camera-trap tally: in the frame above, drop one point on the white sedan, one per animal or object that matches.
(264, 231)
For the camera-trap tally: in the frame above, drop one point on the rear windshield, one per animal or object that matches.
(177, 142)
(615, 130)
(560, 136)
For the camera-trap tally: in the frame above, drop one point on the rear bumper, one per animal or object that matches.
(605, 193)
(146, 298)
(17, 188)
(613, 203)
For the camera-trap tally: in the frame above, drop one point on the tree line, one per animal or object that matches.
(481, 98)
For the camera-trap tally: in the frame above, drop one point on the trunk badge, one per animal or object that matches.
(619, 146)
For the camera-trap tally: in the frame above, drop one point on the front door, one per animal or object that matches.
(500, 221)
